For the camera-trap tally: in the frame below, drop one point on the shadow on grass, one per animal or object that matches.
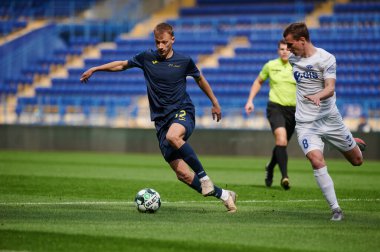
(47, 241)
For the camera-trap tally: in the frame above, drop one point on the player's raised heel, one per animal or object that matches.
(361, 144)
(337, 214)
(285, 183)
(207, 187)
(230, 202)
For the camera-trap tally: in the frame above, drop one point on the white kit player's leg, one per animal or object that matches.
(326, 184)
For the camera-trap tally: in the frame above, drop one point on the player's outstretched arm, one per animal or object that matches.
(206, 88)
(249, 106)
(110, 67)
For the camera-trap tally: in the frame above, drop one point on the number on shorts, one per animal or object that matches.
(305, 143)
(181, 115)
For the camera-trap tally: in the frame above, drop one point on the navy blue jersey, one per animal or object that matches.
(166, 81)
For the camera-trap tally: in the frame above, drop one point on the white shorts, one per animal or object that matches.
(330, 129)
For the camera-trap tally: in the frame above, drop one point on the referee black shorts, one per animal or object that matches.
(281, 116)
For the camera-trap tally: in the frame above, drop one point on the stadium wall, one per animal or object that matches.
(205, 141)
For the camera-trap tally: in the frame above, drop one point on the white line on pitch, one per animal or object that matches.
(170, 202)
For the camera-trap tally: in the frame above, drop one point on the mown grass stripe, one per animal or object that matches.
(172, 202)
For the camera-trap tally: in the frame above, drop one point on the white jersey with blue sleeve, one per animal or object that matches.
(310, 74)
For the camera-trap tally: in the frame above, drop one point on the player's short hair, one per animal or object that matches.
(297, 30)
(281, 42)
(164, 27)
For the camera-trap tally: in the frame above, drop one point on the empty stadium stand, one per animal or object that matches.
(351, 33)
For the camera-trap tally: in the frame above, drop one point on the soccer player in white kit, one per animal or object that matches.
(318, 120)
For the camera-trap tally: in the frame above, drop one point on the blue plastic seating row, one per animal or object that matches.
(67, 51)
(350, 18)
(14, 82)
(82, 42)
(358, 91)
(52, 60)
(345, 31)
(227, 64)
(366, 59)
(258, 47)
(221, 70)
(36, 69)
(196, 49)
(232, 91)
(220, 22)
(239, 75)
(46, 8)
(84, 103)
(106, 59)
(244, 9)
(75, 100)
(243, 60)
(8, 26)
(5, 89)
(149, 42)
(93, 91)
(179, 47)
(233, 81)
(364, 7)
(256, 2)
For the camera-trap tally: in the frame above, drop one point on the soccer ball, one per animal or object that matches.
(147, 200)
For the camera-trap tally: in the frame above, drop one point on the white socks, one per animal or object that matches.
(204, 178)
(224, 195)
(326, 184)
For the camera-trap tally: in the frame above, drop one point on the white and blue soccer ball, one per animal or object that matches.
(148, 200)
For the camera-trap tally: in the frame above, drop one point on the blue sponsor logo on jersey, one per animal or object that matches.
(307, 75)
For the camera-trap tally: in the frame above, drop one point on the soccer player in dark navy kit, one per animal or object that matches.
(172, 110)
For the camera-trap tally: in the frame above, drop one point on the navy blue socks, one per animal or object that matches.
(189, 156)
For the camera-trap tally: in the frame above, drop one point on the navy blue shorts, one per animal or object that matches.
(182, 117)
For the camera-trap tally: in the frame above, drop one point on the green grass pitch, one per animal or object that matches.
(66, 201)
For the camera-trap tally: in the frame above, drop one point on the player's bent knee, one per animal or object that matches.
(317, 164)
(316, 159)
